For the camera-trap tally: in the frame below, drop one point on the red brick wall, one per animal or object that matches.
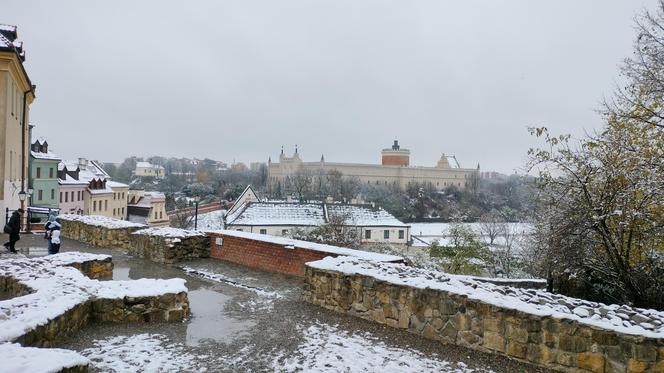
(263, 255)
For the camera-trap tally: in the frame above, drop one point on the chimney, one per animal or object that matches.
(82, 163)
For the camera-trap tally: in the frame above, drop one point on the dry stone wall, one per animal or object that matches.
(562, 344)
(162, 244)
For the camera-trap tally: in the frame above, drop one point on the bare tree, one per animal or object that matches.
(491, 225)
(302, 182)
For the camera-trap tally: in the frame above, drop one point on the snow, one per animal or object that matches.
(325, 348)
(364, 215)
(311, 246)
(101, 221)
(310, 214)
(210, 221)
(57, 289)
(169, 232)
(72, 257)
(18, 359)
(141, 353)
(45, 155)
(268, 213)
(229, 281)
(619, 318)
(424, 234)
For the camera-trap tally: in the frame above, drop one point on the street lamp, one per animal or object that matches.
(197, 199)
(22, 195)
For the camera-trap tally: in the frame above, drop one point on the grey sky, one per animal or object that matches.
(236, 80)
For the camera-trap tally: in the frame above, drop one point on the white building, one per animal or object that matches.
(147, 208)
(148, 169)
(374, 225)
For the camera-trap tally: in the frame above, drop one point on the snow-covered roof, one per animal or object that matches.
(268, 213)
(364, 215)
(619, 318)
(116, 184)
(310, 214)
(148, 165)
(291, 243)
(49, 156)
(68, 180)
(101, 221)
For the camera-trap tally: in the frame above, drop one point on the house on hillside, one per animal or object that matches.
(43, 176)
(101, 195)
(374, 224)
(147, 208)
(147, 169)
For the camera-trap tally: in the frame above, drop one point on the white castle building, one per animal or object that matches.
(395, 169)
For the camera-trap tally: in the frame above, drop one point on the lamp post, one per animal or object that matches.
(28, 225)
(197, 199)
(21, 196)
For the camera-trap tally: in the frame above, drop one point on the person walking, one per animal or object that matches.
(55, 238)
(13, 227)
(49, 229)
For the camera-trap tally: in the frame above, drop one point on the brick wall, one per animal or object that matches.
(263, 255)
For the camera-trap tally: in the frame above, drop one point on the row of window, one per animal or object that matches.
(118, 211)
(40, 194)
(161, 215)
(118, 195)
(51, 173)
(69, 196)
(386, 234)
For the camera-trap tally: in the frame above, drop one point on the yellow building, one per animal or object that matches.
(16, 95)
(394, 170)
(147, 208)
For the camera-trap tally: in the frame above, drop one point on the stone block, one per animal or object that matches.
(449, 332)
(468, 338)
(516, 349)
(567, 359)
(645, 352)
(516, 333)
(404, 319)
(493, 324)
(590, 361)
(635, 366)
(494, 341)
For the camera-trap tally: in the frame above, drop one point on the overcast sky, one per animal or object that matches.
(238, 79)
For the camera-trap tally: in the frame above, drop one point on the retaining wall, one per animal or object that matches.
(558, 343)
(95, 235)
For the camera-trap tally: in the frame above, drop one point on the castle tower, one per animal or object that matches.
(395, 156)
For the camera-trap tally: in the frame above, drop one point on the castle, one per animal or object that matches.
(395, 169)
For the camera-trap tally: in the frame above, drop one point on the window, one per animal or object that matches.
(50, 172)
(113, 212)
(52, 193)
(60, 197)
(115, 196)
(367, 234)
(401, 234)
(284, 232)
(386, 234)
(123, 211)
(38, 172)
(239, 229)
(66, 197)
(161, 214)
(72, 196)
(105, 205)
(263, 231)
(94, 205)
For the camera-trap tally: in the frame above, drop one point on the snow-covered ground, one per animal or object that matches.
(209, 221)
(326, 348)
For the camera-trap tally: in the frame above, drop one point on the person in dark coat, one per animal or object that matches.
(13, 228)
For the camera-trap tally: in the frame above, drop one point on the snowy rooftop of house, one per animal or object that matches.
(291, 243)
(147, 165)
(310, 214)
(116, 184)
(169, 232)
(268, 213)
(101, 221)
(68, 180)
(619, 318)
(47, 155)
(364, 215)
(58, 288)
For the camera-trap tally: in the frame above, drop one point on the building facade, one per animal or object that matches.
(43, 176)
(16, 95)
(147, 169)
(147, 208)
(394, 170)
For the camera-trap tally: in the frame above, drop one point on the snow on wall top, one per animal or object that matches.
(619, 318)
(268, 213)
(101, 221)
(57, 289)
(169, 232)
(291, 243)
(364, 216)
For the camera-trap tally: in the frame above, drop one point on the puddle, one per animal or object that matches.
(208, 322)
(121, 273)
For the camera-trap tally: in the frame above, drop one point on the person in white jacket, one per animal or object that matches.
(55, 238)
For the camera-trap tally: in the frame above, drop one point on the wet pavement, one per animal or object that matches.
(245, 320)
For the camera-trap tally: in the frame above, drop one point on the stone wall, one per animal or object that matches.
(162, 308)
(168, 250)
(159, 244)
(96, 269)
(560, 344)
(98, 235)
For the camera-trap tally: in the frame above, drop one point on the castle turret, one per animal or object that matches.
(395, 156)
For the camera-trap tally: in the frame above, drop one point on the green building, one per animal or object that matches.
(43, 176)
